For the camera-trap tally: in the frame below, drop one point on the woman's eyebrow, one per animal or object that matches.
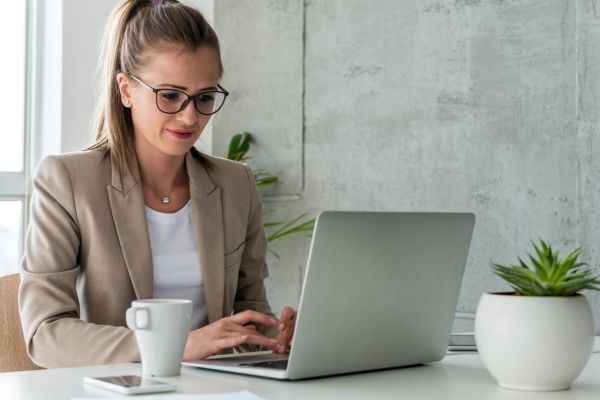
(185, 88)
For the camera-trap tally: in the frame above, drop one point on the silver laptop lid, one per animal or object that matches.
(380, 291)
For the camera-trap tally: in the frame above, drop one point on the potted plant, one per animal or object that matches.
(239, 146)
(541, 335)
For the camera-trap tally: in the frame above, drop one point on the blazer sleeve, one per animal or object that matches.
(251, 292)
(55, 336)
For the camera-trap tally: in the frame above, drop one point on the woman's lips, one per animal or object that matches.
(180, 133)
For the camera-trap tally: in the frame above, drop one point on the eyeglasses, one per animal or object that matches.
(172, 101)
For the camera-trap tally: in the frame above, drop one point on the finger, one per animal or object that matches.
(248, 316)
(287, 314)
(234, 330)
(240, 329)
(259, 340)
(285, 338)
(229, 342)
(217, 342)
(280, 348)
(216, 346)
(231, 334)
(256, 339)
(288, 334)
(237, 340)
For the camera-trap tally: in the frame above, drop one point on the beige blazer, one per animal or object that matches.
(87, 253)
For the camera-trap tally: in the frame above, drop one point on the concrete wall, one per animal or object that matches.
(587, 117)
(436, 105)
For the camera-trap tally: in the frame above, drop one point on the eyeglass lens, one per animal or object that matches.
(172, 101)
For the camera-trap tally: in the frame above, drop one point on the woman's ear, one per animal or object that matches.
(124, 89)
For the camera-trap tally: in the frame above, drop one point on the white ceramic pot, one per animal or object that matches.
(534, 342)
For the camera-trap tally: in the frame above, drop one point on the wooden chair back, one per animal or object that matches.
(13, 356)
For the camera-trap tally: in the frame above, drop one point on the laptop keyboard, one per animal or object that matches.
(276, 364)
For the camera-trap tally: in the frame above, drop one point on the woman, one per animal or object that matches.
(142, 213)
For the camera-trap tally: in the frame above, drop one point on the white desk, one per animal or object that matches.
(460, 376)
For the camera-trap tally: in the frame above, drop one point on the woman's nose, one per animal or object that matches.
(189, 115)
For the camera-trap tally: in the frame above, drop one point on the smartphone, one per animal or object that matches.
(130, 384)
(462, 342)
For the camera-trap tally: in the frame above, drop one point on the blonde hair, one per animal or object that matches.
(133, 27)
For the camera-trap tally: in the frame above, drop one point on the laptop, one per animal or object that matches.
(380, 291)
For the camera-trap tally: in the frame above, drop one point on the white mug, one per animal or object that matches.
(161, 328)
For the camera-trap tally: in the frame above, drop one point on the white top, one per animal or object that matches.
(176, 261)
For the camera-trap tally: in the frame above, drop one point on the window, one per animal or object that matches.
(13, 139)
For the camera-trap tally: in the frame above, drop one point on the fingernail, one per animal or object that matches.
(273, 321)
(281, 327)
(273, 340)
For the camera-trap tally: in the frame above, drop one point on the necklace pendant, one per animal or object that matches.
(166, 200)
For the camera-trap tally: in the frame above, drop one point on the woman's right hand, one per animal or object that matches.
(227, 333)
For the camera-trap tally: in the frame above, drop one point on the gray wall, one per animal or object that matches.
(487, 106)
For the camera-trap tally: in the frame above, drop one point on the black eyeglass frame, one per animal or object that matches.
(193, 98)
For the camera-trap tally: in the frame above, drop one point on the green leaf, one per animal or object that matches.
(542, 265)
(239, 146)
(269, 180)
(569, 263)
(272, 224)
(275, 254)
(550, 275)
(292, 227)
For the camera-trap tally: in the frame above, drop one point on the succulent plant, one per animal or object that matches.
(549, 275)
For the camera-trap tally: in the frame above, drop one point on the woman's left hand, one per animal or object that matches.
(286, 325)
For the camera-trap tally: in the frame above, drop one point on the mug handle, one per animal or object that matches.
(137, 318)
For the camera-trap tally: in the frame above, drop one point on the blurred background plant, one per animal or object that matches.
(303, 225)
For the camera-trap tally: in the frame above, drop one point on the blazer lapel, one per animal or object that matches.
(208, 218)
(129, 216)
